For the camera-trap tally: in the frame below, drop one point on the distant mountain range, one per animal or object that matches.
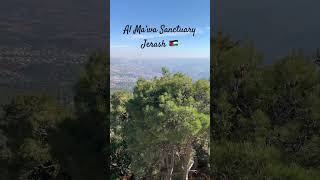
(39, 70)
(125, 72)
(72, 24)
(45, 43)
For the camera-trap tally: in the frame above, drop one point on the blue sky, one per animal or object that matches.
(154, 13)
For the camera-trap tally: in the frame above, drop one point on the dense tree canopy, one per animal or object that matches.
(43, 140)
(265, 116)
(80, 142)
(26, 125)
(163, 120)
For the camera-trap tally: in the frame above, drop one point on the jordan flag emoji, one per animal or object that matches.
(173, 43)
